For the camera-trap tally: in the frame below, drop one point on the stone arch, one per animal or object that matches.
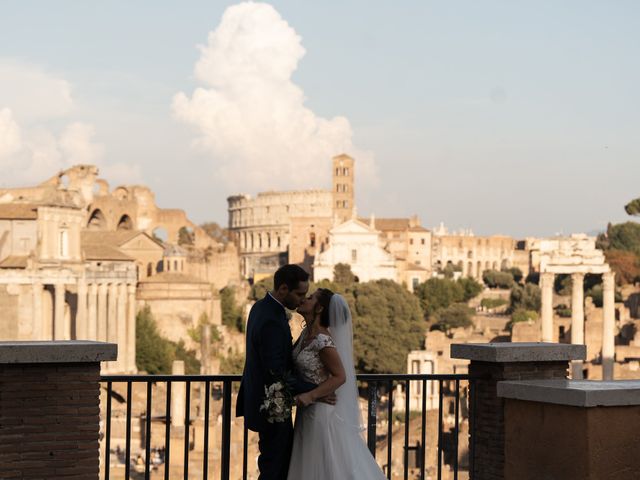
(121, 193)
(97, 220)
(125, 223)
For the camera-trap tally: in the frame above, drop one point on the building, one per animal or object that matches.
(276, 228)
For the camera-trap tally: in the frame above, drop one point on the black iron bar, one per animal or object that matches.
(423, 446)
(187, 436)
(439, 429)
(455, 432)
(226, 430)
(107, 448)
(167, 432)
(205, 460)
(127, 448)
(147, 439)
(389, 428)
(245, 441)
(372, 417)
(407, 419)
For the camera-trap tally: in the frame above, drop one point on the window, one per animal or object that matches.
(354, 256)
(411, 241)
(346, 171)
(63, 243)
(415, 282)
(312, 239)
(422, 241)
(337, 172)
(338, 203)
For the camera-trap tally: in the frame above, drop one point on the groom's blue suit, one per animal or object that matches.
(268, 349)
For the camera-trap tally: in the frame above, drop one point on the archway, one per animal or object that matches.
(125, 223)
(97, 220)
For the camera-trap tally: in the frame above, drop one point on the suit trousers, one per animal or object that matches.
(275, 443)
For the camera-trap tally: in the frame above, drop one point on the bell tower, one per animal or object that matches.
(343, 187)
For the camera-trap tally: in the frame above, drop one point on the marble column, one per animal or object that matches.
(546, 285)
(131, 328)
(112, 320)
(608, 324)
(121, 316)
(59, 332)
(102, 312)
(37, 332)
(577, 320)
(81, 313)
(92, 320)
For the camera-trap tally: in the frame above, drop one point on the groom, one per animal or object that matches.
(268, 349)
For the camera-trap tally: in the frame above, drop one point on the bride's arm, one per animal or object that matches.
(331, 360)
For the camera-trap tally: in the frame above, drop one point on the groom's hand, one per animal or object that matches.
(304, 399)
(329, 399)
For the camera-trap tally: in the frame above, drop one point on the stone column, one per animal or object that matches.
(50, 408)
(59, 332)
(577, 320)
(178, 396)
(102, 312)
(490, 364)
(131, 328)
(112, 320)
(121, 315)
(608, 324)
(546, 317)
(81, 313)
(92, 320)
(37, 332)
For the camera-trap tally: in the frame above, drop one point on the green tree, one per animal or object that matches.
(496, 279)
(470, 288)
(525, 298)
(633, 207)
(438, 293)
(260, 289)
(622, 236)
(233, 363)
(343, 275)
(454, 316)
(388, 324)
(185, 236)
(515, 272)
(153, 352)
(231, 311)
(522, 315)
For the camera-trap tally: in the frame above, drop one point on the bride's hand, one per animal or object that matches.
(304, 399)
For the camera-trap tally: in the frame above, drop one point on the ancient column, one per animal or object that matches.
(37, 332)
(131, 328)
(608, 324)
(112, 320)
(121, 315)
(81, 313)
(178, 396)
(59, 332)
(92, 320)
(577, 320)
(102, 312)
(546, 285)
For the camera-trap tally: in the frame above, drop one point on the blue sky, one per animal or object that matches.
(519, 118)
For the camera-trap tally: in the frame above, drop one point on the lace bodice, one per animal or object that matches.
(307, 359)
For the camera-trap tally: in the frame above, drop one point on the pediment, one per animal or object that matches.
(353, 226)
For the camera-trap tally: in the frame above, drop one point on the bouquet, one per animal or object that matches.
(277, 402)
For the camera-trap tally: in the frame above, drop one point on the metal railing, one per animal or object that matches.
(380, 390)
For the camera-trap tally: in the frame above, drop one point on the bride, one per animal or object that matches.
(327, 442)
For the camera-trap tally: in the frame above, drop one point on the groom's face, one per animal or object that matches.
(294, 297)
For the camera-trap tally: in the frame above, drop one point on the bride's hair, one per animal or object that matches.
(324, 299)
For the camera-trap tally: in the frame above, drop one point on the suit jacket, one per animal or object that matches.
(268, 349)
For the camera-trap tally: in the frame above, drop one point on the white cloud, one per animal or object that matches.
(76, 144)
(10, 135)
(250, 115)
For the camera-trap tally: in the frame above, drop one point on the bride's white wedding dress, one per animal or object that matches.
(327, 441)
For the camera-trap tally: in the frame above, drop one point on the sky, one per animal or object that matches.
(503, 117)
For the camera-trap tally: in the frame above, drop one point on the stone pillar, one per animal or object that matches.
(178, 396)
(112, 320)
(121, 315)
(59, 332)
(490, 364)
(92, 320)
(102, 312)
(577, 320)
(608, 324)
(81, 313)
(37, 332)
(50, 406)
(131, 328)
(546, 316)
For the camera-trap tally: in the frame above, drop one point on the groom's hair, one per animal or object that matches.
(290, 275)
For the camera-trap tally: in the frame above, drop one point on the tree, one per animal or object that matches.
(622, 236)
(633, 207)
(496, 279)
(625, 264)
(185, 236)
(470, 288)
(231, 312)
(515, 272)
(260, 289)
(388, 324)
(438, 293)
(343, 275)
(528, 297)
(522, 315)
(454, 316)
(153, 352)
(216, 232)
